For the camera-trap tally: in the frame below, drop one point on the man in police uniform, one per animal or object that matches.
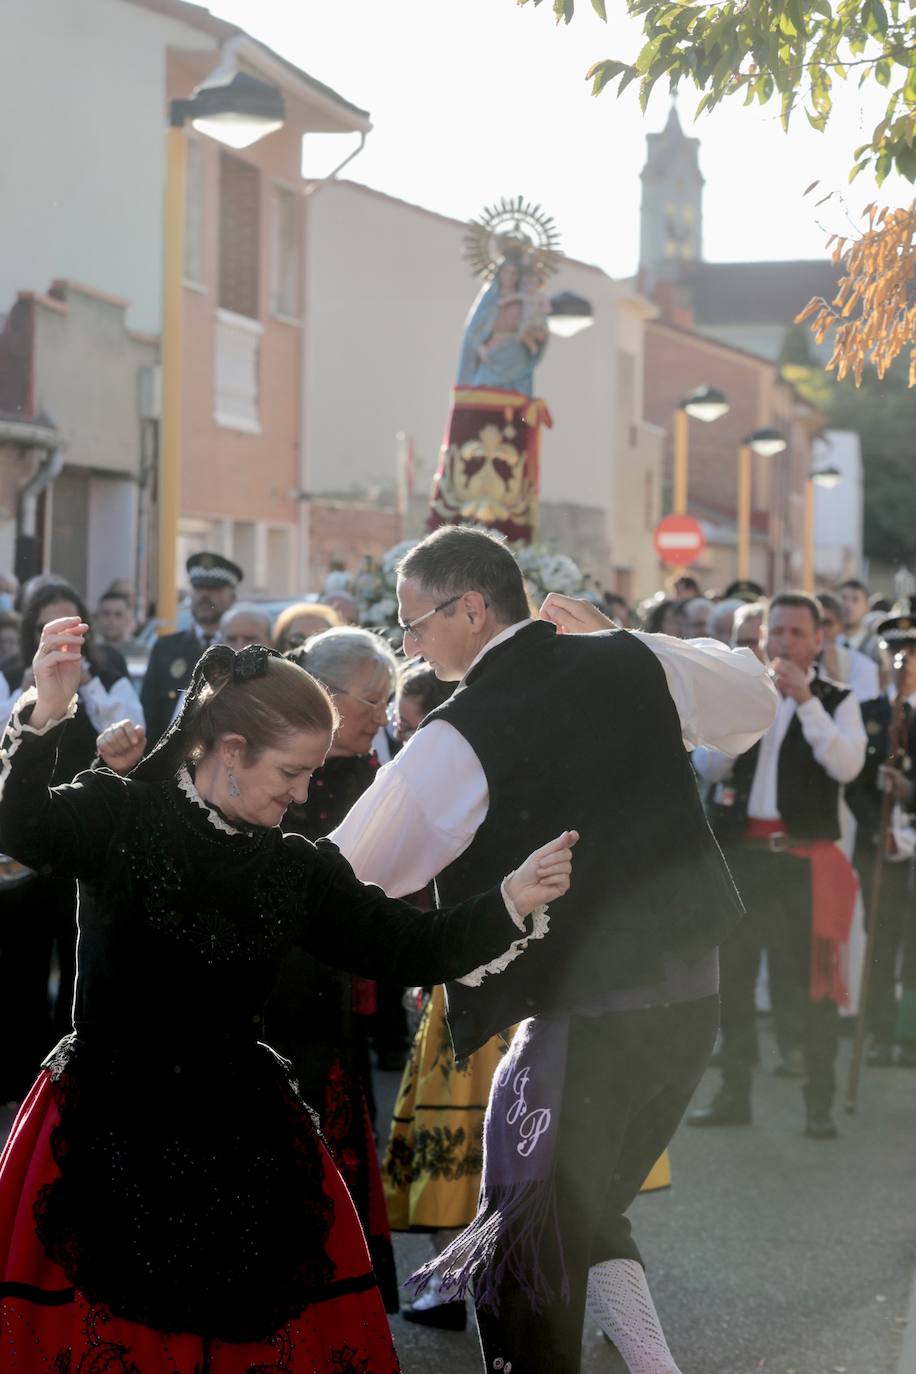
(214, 582)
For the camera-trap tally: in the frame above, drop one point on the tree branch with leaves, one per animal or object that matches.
(794, 52)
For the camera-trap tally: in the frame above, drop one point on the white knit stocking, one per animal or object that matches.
(432, 1296)
(619, 1300)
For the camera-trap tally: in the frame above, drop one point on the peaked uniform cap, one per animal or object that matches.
(213, 570)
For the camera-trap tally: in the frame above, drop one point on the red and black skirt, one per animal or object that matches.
(66, 1305)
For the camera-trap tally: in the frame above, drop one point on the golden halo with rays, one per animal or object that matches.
(512, 228)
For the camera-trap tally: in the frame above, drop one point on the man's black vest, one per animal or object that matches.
(807, 797)
(580, 732)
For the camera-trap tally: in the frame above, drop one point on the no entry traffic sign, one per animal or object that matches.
(679, 540)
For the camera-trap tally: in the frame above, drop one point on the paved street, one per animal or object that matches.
(771, 1253)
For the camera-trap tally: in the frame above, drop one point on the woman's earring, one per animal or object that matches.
(234, 789)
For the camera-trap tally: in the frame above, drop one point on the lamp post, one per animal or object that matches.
(767, 443)
(821, 477)
(569, 314)
(707, 404)
(235, 109)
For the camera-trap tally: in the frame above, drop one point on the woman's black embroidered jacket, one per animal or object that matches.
(189, 1195)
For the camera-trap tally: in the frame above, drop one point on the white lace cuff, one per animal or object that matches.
(16, 728)
(540, 924)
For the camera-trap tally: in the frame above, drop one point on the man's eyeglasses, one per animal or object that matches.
(410, 627)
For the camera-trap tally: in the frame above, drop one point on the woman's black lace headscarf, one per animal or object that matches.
(216, 667)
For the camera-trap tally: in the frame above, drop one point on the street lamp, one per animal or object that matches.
(767, 443)
(828, 478)
(707, 404)
(569, 314)
(235, 109)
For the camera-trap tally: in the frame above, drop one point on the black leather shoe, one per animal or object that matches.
(723, 1110)
(819, 1124)
(446, 1316)
(879, 1055)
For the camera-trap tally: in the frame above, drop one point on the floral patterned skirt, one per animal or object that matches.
(433, 1163)
(48, 1327)
(434, 1158)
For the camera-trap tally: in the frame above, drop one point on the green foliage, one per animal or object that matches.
(790, 50)
(881, 413)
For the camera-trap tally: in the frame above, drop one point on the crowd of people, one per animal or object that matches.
(213, 826)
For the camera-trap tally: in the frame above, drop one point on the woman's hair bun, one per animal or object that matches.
(215, 666)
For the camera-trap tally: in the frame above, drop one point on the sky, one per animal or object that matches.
(472, 100)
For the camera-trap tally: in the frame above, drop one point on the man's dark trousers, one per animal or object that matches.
(776, 890)
(629, 1080)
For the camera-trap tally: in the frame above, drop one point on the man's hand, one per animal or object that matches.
(121, 746)
(573, 616)
(544, 875)
(791, 681)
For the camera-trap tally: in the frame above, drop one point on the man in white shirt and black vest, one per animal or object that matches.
(776, 813)
(615, 989)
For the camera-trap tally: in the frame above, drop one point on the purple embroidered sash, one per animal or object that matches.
(516, 1214)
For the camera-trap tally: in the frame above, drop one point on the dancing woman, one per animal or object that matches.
(166, 1203)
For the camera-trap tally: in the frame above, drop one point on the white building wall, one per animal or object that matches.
(82, 146)
(839, 511)
(387, 295)
(111, 543)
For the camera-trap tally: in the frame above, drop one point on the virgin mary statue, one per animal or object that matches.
(506, 332)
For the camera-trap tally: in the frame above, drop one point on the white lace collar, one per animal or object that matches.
(186, 784)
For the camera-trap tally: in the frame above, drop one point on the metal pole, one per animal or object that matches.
(172, 343)
(744, 512)
(681, 422)
(808, 540)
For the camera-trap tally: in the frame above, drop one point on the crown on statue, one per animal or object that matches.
(513, 229)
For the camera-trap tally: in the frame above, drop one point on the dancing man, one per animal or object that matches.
(618, 1003)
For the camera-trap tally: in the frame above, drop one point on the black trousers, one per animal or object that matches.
(629, 1079)
(895, 937)
(776, 890)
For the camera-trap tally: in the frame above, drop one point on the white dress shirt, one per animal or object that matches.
(858, 672)
(838, 743)
(103, 708)
(424, 808)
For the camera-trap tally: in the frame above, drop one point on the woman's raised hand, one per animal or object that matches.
(573, 616)
(121, 746)
(544, 875)
(58, 668)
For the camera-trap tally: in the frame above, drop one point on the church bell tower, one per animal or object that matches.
(671, 214)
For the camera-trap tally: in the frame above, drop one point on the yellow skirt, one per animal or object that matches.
(433, 1163)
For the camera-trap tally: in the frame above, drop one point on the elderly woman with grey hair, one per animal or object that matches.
(316, 1016)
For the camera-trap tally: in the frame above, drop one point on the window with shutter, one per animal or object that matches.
(239, 236)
